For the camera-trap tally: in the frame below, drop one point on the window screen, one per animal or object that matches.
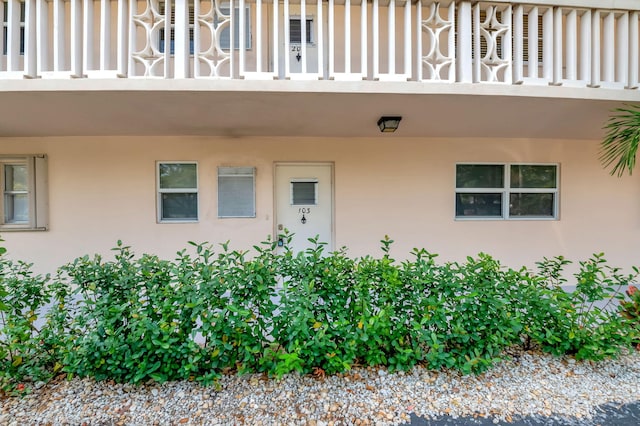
(304, 193)
(295, 30)
(236, 192)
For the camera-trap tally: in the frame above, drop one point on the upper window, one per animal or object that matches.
(177, 192)
(295, 30)
(304, 192)
(507, 191)
(236, 192)
(5, 26)
(24, 192)
(225, 36)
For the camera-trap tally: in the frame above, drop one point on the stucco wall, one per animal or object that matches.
(104, 189)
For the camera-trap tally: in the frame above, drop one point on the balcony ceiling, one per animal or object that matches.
(300, 109)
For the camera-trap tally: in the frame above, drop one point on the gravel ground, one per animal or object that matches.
(529, 389)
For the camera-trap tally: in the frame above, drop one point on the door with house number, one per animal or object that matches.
(304, 203)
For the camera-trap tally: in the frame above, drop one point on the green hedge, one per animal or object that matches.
(207, 312)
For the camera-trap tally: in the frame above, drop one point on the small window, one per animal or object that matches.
(224, 34)
(304, 192)
(295, 30)
(5, 27)
(506, 191)
(177, 192)
(236, 192)
(24, 192)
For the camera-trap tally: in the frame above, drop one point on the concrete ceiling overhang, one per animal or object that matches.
(238, 108)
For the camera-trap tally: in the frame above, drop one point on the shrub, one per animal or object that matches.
(134, 319)
(630, 309)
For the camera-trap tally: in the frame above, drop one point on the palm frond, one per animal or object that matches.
(620, 145)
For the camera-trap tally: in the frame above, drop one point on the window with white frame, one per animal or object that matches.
(177, 192)
(506, 191)
(5, 27)
(236, 192)
(23, 179)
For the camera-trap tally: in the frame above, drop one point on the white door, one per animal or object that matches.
(304, 203)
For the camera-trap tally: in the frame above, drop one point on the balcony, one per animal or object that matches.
(277, 53)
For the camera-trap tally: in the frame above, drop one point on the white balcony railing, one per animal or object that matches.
(549, 42)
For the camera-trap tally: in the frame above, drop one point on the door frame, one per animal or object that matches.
(330, 247)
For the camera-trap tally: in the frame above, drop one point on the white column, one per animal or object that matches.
(571, 44)
(557, 46)
(87, 34)
(76, 39)
(121, 48)
(595, 49)
(608, 41)
(320, 41)
(58, 35)
(477, 60)
(105, 34)
(584, 71)
(331, 46)
(518, 45)
(391, 39)
(634, 50)
(347, 36)
(168, 12)
(547, 44)
(464, 64)
(533, 43)
(30, 54)
(364, 57)
(507, 47)
(419, 40)
(622, 49)
(181, 40)
(276, 42)
(287, 41)
(42, 31)
(376, 39)
(303, 35)
(407, 39)
(258, 36)
(13, 35)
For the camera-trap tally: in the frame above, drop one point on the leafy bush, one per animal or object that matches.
(134, 319)
(27, 353)
(630, 310)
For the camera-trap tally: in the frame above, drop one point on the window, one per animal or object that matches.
(225, 38)
(236, 192)
(5, 27)
(304, 192)
(507, 191)
(177, 192)
(24, 192)
(295, 30)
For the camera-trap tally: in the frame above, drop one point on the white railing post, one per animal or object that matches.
(121, 28)
(477, 47)
(595, 49)
(13, 35)
(608, 48)
(571, 54)
(548, 44)
(258, 36)
(407, 40)
(276, 41)
(76, 39)
(87, 34)
(30, 61)
(347, 36)
(132, 39)
(303, 36)
(287, 49)
(105, 35)
(42, 30)
(376, 39)
(584, 71)
(557, 46)
(518, 45)
(181, 39)
(364, 57)
(391, 38)
(464, 64)
(320, 41)
(622, 49)
(331, 29)
(634, 50)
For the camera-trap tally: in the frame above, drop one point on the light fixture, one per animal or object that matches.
(389, 124)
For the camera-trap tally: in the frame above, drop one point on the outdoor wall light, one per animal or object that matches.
(389, 124)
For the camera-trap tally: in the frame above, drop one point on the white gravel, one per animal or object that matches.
(528, 384)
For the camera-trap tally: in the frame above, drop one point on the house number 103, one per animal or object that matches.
(304, 210)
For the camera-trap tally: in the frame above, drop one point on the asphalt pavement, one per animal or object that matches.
(606, 415)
